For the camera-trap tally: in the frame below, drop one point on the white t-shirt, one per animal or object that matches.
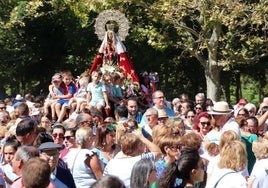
(122, 166)
(260, 171)
(232, 180)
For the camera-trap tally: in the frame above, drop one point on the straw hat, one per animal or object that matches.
(162, 113)
(220, 108)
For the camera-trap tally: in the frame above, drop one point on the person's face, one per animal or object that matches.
(173, 151)
(181, 129)
(221, 119)
(198, 109)
(151, 118)
(204, 125)
(2, 107)
(9, 153)
(159, 100)
(15, 164)
(184, 108)
(242, 113)
(51, 156)
(110, 138)
(199, 100)
(95, 77)
(46, 123)
(87, 122)
(251, 127)
(132, 107)
(58, 136)
(190, 116)
(3, 121)
(56, 83)
(106, 80)
(67, 80)
(162, 120)
(69, 139)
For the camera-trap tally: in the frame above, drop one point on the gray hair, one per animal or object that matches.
(152, 110)
(140, 173)
(24, 153)
(201, 95)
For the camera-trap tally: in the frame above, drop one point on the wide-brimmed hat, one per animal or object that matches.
(162, 113)
(220, 108)
(18, 97)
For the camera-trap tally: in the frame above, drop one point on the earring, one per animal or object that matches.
(103, 143)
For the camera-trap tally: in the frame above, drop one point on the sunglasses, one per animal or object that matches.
(55, 135)
(205, 123)
(68, 137)
(179, 146)
(3, 108)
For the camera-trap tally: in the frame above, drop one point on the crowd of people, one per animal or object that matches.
(93, 132)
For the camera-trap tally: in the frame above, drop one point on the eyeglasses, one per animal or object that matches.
(50, 155)
(205, 123)
(68, 137)
(161, 97)
(86, 122)
(179, 146)
(55, 135)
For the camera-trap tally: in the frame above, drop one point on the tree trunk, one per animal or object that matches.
(212, 74)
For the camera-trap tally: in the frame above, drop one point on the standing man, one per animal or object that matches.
(223, 117)
(159, 103)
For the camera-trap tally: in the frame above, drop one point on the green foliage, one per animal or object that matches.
(175, 38)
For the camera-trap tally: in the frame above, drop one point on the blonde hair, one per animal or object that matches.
(233, 156)
(227, 137)
(130, 144)
(82, 135)
(260, 149)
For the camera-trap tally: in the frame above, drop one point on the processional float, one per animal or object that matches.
(112, 53)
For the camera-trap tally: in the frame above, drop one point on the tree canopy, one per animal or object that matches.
(190, 43)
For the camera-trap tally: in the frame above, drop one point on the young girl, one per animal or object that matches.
(80, 97)
(9, 150)
(97, 96)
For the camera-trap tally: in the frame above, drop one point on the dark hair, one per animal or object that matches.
(24, 127)
(108, 182)
(122, 111)
(41, 138)
(101, 135)
(255, 120)
(58, 126)
(187, 161)
(13, 142)
(48, 116)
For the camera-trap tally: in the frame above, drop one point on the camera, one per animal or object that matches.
(264, 109)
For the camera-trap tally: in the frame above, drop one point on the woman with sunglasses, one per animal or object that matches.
(203, 124)
(105, 144)
(170, 147)
(82, 162)
(69, 141)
